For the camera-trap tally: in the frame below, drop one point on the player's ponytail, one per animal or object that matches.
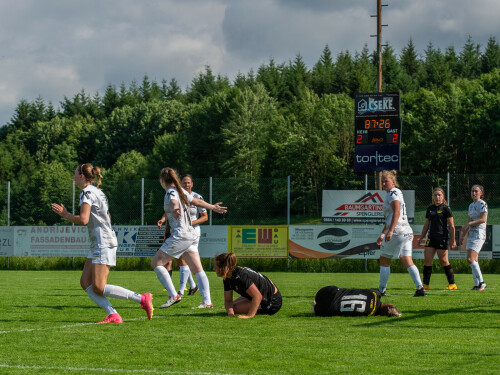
(91, 173)
(169, 176)
(225, 264)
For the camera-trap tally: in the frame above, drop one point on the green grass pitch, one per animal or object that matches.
(47, 327)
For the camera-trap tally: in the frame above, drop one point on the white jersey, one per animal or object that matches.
(475, 211)
(101, 233)
(183, 223)
(402, 226)
(195, 212)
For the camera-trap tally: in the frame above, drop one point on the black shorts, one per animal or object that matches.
(271, 308)
(438, 243)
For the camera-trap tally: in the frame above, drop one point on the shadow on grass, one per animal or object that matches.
(416, 314)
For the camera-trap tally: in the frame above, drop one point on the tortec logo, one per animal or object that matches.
(366, 204)
(377, 158)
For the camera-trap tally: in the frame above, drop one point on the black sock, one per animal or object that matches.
(450, 275)
(427, 274)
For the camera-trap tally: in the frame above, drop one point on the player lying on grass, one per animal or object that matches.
(258, 294)
(335, 301)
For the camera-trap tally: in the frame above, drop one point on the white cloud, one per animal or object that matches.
(56, 48)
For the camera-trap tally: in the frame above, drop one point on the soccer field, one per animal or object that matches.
(47, 327)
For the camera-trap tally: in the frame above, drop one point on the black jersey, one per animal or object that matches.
(332, 301)
(242, 278)
(438, 220)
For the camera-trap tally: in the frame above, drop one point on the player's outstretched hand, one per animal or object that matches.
(59, 209)
(220, 209)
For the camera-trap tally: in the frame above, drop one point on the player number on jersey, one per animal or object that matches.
(352, 305)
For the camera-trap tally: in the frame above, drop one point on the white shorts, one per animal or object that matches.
(475, 241)
(400, 245)
(103, 255)
(175, 246)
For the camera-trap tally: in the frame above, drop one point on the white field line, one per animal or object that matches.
(86, 324)
(118, 370)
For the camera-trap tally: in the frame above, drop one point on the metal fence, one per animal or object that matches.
(259, 201)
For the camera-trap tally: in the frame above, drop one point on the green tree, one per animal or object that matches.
(437, 71)
(342, 76)
(470, 59)
(364, 74)
(308, 148)
(205, 84)
(491, 58)
(323, 73)
(31, 202)
(135, 128)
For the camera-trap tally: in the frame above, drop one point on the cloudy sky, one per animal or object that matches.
(55, 48)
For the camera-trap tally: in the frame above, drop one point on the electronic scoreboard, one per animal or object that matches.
(377, 132)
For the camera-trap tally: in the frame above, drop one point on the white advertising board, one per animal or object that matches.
(73, 241)
(6, 242)
(360, 206)
(327, 241)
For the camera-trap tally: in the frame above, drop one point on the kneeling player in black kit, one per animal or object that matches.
(258, 294)
(335, 301)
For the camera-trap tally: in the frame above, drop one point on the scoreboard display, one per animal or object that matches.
(381, 130)
(377, 131)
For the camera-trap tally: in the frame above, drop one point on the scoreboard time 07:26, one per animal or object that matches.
(377, 130)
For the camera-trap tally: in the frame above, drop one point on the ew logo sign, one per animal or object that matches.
(354, 206)
(259, 241)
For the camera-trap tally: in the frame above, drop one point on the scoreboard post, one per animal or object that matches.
(377, 131)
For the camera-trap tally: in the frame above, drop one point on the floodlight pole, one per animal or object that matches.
(379, 61)
(379, 43)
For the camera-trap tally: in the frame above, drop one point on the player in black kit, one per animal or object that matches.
(335, 301)
(439, 224)
(258, 294)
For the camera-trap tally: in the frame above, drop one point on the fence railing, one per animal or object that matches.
(254, 201)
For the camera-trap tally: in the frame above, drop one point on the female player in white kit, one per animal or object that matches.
(476, 228)
(198, 215)
(183, 240)
(94, 213)
(397, 236)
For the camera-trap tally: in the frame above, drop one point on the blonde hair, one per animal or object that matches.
(442, 191)
(169, 176)
(391, 175)
(225, 263)
(91, 173)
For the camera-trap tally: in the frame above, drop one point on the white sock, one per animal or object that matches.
(476, 271)
(385, 272)
(166, 280)
(184, 271)
(476, 281)
(192, 284)
(115, 291)
(100, 301)
(202, 279)
(415, 276)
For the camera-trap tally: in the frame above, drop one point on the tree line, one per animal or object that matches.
(284, 119)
